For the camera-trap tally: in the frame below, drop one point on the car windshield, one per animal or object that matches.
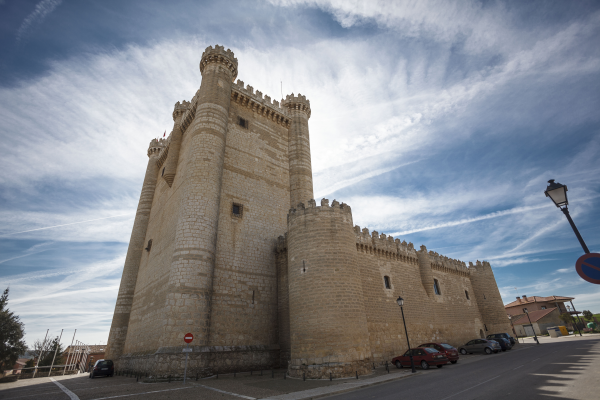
(102, 364)
(430, 350)
(447, 346)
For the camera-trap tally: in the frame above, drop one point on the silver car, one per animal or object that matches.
(480, 346)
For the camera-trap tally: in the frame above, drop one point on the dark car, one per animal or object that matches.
(480, 346)
(495, 336)
(450, 352)
(504, 343)
(102, 368)
(424, 357)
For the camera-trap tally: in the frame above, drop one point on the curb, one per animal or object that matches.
(307, 396)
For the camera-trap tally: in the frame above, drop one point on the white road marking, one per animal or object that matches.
(462, 391)
(518, 367)
(232, 394)
(535, 359)
(137, 394)
(71, 395)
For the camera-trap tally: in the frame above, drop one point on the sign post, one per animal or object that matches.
(588, 267)
(187, 338)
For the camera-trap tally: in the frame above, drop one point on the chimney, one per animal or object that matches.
(524, 297)
(518, 300)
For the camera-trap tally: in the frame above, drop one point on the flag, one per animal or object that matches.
(164, 134)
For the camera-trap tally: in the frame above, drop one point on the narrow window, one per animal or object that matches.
(163, 172)
(436, 287)
(243, 122)
(237, 210)
(467, 294)
(386, 281)
(149, 245)
(543, 307)
(484, 296)
(485, 326)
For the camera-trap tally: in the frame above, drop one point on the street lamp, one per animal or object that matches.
(400, 302)
(512, 326)
(534, 335)
(558, 195)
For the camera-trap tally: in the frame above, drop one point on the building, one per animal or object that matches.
(534, 303)
(228, 244)
(540, 321)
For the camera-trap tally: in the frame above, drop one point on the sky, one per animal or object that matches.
(438, 122)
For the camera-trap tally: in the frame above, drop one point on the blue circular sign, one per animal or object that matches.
(588, 267)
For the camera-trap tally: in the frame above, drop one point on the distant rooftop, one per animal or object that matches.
(538, 299)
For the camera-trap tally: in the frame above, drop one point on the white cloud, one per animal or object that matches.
(37, 16)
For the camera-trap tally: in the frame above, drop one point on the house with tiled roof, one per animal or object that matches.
(535, 303)
(537, 321)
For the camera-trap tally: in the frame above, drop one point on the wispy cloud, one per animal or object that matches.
(37, 16)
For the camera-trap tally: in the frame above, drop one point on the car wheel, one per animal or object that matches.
(92, 375)
(454, 362)
(488, 350)
(440, 366)
(398, 364)
(424, 364)
(463, 352)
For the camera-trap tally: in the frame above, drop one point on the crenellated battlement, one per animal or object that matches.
(180, 109)
(263, 106)
(383, 245)
(219, 55)
(156, 145)
(299, 103)
(312, 208)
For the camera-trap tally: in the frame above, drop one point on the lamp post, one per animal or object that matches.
(534, 335)
(400, 302)
(578, 319)
(512, 326)
(558, 195)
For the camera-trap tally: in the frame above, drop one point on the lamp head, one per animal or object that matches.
(557, 193)
(400, 301)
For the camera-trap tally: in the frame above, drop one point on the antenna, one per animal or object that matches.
(281, 89)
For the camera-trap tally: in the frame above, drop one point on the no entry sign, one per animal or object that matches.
(588, 267)
(188, 337)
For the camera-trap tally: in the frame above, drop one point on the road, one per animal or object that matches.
(557, 370)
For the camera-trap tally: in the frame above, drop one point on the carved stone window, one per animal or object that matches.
(467, 295)
(436, 287)
(149, 245)
(387, 282)
(242, 122)
(237, 210)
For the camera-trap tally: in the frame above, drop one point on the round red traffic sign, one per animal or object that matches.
(588, 267)
(188, 337)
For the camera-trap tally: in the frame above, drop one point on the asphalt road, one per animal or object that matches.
(563, 370)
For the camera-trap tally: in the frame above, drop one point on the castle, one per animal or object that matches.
(229, 245)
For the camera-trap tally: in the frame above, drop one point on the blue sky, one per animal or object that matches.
(438, 122)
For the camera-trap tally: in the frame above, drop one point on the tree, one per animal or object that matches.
(566, 318)
(48, 355)
(587, 314)
(11, 335)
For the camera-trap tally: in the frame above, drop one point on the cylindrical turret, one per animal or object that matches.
(173, 155)
(425, 269)
(120, 322)
(328, 324)
(193, 262)
(301, 184)
(489, 300)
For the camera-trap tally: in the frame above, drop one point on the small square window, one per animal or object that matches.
(386, 282)
(237, 210)
(242, 122)
(436, 287)
(543, 307)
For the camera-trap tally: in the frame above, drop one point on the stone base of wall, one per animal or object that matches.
(337, 370)
(203, 360)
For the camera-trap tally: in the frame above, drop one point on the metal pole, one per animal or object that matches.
(534, 335)
(566, 212)
(186, 358)
(412, 363)
(69, 354)
(55, 351)
(577, 317)
(41, 351)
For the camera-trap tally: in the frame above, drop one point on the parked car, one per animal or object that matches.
(495, 336)
(480, 346)
(450, 352)
(504, 343)
(102, 368)
(423, 357)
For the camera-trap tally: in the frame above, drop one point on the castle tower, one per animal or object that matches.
(425, 270)
(328, 324)
(193, 261)
(301, 185)
(174, 146)
(120, 322)
(488, 298)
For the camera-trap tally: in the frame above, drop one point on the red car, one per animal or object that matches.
(424, 357)
(444, 348)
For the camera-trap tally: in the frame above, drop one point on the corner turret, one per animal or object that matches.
(219, 55)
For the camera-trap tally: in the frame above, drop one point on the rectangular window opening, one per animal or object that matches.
(243, 122)
(436, 287)
(386, 281)
(237, 210)
(467, 295)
